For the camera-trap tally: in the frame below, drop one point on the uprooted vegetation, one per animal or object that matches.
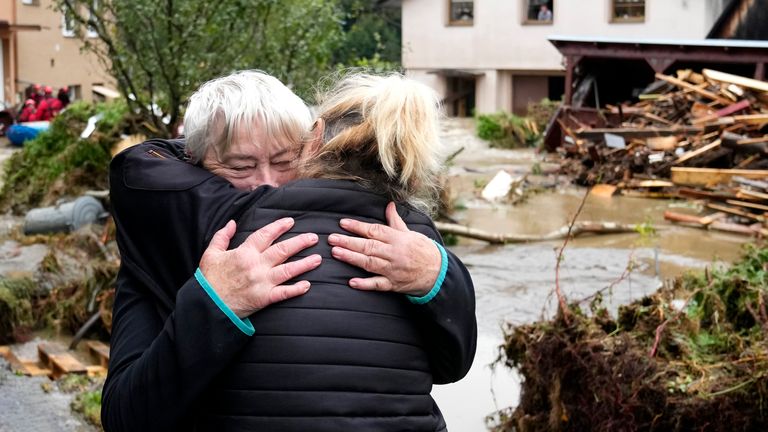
(692, 356)
(58, 163)
(74, 281)
(507, 130)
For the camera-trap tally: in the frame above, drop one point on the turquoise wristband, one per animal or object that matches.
(440, 278)
(244, 325)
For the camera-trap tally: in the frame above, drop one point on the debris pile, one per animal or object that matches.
(696, 135)
(692, 356)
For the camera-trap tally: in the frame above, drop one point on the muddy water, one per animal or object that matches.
(513, 282)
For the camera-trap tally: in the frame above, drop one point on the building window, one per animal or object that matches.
(75, 92)
(539, 11)
(91, 32)
(461, 12)
(628, 10)
(67, 25)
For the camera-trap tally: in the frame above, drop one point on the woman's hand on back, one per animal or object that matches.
(251, 276)
(407, 262)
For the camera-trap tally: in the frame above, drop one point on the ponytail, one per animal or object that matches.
(383, 132)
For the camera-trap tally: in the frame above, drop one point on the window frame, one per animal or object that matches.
(90, 31)
(460, 23)
(620, 20)
(527, 21)
(67, 31)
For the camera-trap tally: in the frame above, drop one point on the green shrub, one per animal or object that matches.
(507, 130)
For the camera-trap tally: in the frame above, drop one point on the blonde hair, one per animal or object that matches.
(382, 131)
(243, 99)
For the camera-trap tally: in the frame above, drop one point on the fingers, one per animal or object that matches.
(376, 283)
(264, 237)
(370, 263)
(359, 245)
(393, 218)
(288, 271)
(280, 252)
(284, 292)
(220, 240)
(367, 230)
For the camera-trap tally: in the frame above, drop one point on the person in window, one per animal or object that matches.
(544, 13)
(195, 356)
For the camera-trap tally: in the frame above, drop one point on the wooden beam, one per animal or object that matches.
(712, 176)
(701, 150)
(683, 84)
(736, 79)
(755, 206)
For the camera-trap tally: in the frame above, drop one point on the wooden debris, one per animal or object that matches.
(712, 176)
(499, 238)
(99, 351)
(603, 190)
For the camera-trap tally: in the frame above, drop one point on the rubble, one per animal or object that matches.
(693, 136)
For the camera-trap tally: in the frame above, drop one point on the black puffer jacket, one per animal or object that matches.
(176, 360)
(339, 359)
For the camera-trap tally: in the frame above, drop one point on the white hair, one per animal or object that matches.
(243, 99)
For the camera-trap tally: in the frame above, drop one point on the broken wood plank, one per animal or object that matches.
(706, 93)
(746, 193)
(735, 211)
(751, 183)
(99, 351)
(758, 119)
(681, 217)
(631, 193)
(758, 140)
(703, 194)
(712, 176)
(63, 364)
(732, 109)
(603, 190)
(736, 79)
(96, 371)
(693, 153)
(46, 350)
(746, 204)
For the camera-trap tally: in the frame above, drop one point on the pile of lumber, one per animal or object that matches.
(689, 136)
(712, 119)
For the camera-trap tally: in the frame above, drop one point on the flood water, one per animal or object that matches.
(513, 283)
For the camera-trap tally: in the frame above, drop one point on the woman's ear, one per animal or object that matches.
(310, 148)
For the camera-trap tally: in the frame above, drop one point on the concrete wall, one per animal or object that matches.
(49, 58)
(500, 44)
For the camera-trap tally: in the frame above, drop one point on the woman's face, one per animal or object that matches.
(253, 160)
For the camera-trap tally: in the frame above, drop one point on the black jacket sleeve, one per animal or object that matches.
(159, 368)
(167, 343)
(448, 320)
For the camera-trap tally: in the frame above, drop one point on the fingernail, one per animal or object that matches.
(333, 238)
(287, 220)
(336, 252)
(344, 223)
(317, 259)
(353, 283)
(313, 237)
(305, 285)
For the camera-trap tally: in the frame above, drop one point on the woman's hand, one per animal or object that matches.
(250, 277)
(407, 262)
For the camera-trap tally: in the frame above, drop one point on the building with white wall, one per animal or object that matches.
(491, 55)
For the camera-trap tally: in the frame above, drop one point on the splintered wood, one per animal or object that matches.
(704, 134)
(55, 361)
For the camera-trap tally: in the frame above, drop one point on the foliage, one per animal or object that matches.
(16, 318)
(160, 52)
(372, 36)
(692, 356)
(88, 403)
(508, 130)
(58, 162)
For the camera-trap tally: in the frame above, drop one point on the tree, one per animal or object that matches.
(372, 34)
(160, 51)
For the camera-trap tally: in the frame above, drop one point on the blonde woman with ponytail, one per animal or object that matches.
(336, 358)
(341, 359)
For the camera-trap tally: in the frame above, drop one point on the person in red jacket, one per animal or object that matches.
(45, 111)
(28, 111)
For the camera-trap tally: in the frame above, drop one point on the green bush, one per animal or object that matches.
(507, 130)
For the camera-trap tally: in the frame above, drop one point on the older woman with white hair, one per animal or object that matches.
(329, 358)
